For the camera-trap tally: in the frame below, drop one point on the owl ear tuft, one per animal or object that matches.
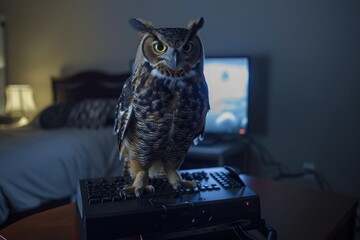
(195, 26)
(141, 25)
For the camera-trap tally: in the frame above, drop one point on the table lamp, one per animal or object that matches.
(20, 103)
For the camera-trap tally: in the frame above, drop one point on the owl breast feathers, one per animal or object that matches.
(162, 107)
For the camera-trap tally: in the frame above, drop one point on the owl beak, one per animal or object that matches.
(174, 60)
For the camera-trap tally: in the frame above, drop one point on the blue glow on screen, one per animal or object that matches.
(228, 81)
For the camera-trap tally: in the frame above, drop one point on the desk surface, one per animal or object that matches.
(295, 212)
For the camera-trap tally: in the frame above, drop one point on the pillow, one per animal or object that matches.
(92, 113)
(55, 116)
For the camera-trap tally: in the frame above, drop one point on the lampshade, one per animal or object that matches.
(19, 100)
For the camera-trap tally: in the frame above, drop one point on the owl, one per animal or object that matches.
(163, 106)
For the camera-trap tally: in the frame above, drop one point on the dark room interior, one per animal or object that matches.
(303, 94)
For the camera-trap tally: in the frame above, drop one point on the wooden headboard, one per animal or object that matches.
(87, 84)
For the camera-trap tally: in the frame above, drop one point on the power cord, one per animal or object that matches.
(267, 231)
(283, 173)
(241, 234)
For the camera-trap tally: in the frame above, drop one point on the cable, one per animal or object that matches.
(323, 183)
(265, 156)
(241, 234)
(267, 159)
(266, 230)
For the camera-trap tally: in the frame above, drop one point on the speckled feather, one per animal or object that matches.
(172, 36)
(160, 124)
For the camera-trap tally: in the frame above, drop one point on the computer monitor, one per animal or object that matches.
(228, 83)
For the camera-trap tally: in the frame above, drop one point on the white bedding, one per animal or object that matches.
(37, 166)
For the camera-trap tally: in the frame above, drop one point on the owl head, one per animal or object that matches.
(169, 52)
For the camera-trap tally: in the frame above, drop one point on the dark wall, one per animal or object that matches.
(308, 84)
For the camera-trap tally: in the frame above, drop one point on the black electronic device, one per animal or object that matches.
(220, 198)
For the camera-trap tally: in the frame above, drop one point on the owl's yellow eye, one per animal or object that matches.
(188, 47)
(159, 48)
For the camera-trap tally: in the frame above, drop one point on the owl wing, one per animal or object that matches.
(124, 112)
(199, 136)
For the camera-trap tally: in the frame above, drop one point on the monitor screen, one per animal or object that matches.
(228, 81)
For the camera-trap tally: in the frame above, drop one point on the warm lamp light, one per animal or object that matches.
(20, 102)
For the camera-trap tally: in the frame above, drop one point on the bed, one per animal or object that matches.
(69, 140)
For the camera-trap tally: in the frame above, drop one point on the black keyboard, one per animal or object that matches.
(106, 190)
(105, 212)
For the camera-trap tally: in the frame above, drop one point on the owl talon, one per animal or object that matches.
(176, 186)
(139, 192)
(150, 189)
(126, 192)
(123, 194)
(136, 191)
(147, 189)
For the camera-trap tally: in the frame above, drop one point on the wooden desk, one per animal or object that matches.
(295, 212)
